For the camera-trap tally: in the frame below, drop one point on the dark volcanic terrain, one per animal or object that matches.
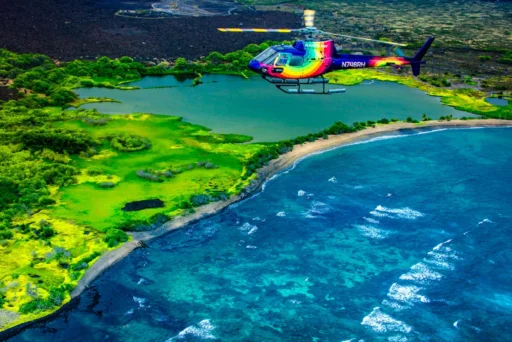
(68, 29)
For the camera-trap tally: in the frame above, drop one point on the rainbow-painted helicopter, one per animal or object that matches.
(306, 61)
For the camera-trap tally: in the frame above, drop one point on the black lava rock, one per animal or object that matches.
(145, 204)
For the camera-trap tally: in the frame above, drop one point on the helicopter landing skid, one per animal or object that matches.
(296, 86)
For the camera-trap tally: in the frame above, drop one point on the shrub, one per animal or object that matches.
(45, 231)
(114, 237)
(128, 143)
(84, 262)
(484, 58)
(149, 176)
(6, 235)
(94, 171)
(198, 200)
(55, 298)
(106, 185)
(45, 200)
(87, 83)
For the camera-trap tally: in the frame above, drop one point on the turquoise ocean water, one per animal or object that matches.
(404, 238)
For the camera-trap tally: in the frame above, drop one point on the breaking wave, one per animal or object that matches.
(421, 273)
(201, 330)
(372, 232)
(407, 294)
(380, 322)
(403, 213)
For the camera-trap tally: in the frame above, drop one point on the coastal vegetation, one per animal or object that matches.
(67, 175)
(466, 99)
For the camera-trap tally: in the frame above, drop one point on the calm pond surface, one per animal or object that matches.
(230, 104)
(497, 101)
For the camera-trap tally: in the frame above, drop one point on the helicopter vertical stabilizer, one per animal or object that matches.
(417, 60)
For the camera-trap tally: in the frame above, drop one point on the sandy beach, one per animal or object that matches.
(276, 166)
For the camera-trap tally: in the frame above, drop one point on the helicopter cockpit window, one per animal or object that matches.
(264, 56)
(296, 60)
(282, 60)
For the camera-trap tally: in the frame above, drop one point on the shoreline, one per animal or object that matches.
(274, 167)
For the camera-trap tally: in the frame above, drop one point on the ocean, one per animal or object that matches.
(399, 238)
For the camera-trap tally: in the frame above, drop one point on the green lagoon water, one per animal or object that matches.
(400, 238)
(230, 104)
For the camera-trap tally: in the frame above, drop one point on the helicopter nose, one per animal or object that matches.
(255, 66)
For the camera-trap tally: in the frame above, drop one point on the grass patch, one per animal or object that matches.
(176, 146)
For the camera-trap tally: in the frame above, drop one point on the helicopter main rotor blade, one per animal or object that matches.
(258, 30)
(361, 38)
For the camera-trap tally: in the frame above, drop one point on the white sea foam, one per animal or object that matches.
(319, 208)
(252, 231)
(141, 281)
(407, 294)
(379, 214)
(281, 214)
(371, 220)
(251, 247)
(257, 218)
(301, 193)
(246, 227)
(404, 213)
(140, 301)
(421, 273)
(202, 330)
(439, 264)
(395, 305)
(438, 247)
(381, 322)
(444, 257)
(333, 180)
(372, 232)
(485, 221)
(456, 323)
(397, 338)
(129, 312)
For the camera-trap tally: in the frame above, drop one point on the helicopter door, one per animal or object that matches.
(280, 62)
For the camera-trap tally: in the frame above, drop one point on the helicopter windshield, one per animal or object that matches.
(267, 57)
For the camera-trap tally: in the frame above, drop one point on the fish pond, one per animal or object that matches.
(230, 104)
(399, 238)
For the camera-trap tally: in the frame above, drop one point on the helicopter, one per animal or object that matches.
(306, 62)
